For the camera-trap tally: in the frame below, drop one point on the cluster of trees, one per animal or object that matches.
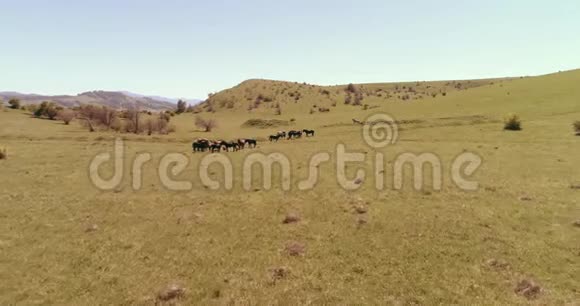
(105, 118)
(128, 121)
(354, 96)
(46, 110)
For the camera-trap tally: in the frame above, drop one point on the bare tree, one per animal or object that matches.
(66, 115)
(133, 118)
(205, 124)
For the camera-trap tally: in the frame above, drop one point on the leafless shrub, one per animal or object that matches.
(348, 99)
(134, 124)
(95, 116)
(206, 124)
(150, 126)
(66, 115)
(351, 88)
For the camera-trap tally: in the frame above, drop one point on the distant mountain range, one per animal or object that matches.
(160, 98)
(113, 99)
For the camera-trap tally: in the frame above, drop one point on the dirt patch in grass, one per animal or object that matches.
(291, 218)
(528, 289)
(170, 293)
(295, 249)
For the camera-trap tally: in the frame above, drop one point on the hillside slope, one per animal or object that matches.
(263, 95)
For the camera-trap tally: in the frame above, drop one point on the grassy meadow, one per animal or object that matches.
(65, 242)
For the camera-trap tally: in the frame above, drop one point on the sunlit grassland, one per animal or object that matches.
(426, 247)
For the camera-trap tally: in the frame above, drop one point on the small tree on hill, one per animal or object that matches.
(358, 97)
(134, 120)
(206, 124)
(348, 99)
(14, 103)
(351, 88)
(181, 107)
(66, 115)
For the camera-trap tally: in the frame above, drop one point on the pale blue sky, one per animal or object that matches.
(189, 48)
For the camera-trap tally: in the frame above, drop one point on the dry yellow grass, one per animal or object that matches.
(62, 241)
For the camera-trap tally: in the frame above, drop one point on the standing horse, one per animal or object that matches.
(308, 132)
(241, 143)
(294, 134)
(215, 146)
(230, 145)
(200, 145)
(251, 143)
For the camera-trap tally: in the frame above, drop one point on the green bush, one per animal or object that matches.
(512, 123)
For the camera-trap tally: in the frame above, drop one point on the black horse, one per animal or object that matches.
(294, 134)
(215, 147)
(241, 143)
(274, 138)
(252, 143)
(200, 145)
(230, 145)
(308, 132)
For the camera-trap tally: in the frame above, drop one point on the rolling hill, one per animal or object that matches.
(259, 95)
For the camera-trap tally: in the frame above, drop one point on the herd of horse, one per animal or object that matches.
(291, 134)
(204, 144)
